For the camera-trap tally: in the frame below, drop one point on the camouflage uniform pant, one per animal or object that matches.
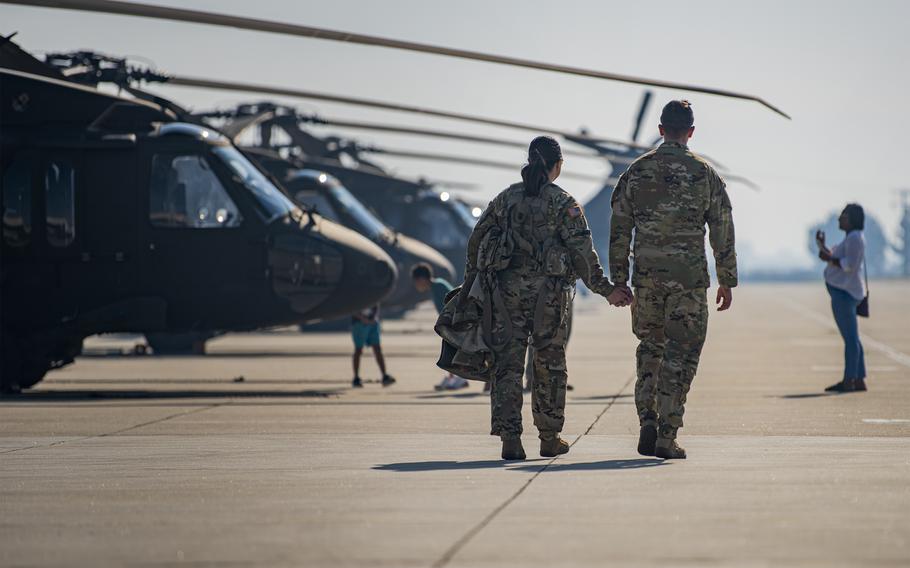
(671, 326)
(548, 392)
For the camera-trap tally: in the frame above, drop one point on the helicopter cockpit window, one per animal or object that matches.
(185, 193)
(367, 221)
(312, 198)
(272, 202)
(439, 229)
(60, 203)
(17, 205)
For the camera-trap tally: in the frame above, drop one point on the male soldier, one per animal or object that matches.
(525, 253)
(667, 196)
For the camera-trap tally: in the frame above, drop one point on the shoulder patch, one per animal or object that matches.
(575, 210)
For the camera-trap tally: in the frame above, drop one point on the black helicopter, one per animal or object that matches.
(118, 217)
(337, 204)
(417, 208)
(322, 192)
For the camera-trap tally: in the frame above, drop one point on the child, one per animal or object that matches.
(422, 275)
(365, 331)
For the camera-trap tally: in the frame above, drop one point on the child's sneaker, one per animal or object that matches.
(388, 380)
(357, 383)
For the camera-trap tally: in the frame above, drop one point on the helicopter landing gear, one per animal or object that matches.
(26, 359)
(185, 343)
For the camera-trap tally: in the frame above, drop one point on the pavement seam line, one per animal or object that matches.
(449, 554)
(887, 350)
(115, 432)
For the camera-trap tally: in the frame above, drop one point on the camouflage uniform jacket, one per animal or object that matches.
(667, 196)
(563, 248)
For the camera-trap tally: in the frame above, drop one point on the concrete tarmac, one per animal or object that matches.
(260, 453)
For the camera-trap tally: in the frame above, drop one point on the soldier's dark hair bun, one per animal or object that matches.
(543, 153)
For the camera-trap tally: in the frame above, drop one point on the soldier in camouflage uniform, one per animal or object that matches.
(667, 196)
(528, 248)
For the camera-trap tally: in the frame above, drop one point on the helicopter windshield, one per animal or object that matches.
(464, 213)
(368, 222)
(271, 200)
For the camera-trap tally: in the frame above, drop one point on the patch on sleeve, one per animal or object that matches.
(575, 210)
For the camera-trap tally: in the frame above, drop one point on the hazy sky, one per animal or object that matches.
(839, 68)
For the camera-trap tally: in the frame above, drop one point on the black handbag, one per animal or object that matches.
(862, 309)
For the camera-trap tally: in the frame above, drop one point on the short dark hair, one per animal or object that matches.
(677, 117)
(422, 270)
(856, 216)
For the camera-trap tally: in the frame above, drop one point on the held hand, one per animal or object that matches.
(621, 296)
(724, 298)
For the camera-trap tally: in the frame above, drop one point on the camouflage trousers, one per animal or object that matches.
(671, 326)
(548, 389)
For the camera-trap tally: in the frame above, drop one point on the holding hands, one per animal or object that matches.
(621, 296)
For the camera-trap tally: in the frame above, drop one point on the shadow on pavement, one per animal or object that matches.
(603, 465)
(474, 394)
(532, 465)
(808, 395)
(603, 397)
(449, 465)
(112, 353)
(86, 394)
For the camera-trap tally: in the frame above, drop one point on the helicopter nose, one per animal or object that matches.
(368, 274)
(421, 252)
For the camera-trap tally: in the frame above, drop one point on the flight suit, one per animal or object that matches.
(529, 251)
(668, 196)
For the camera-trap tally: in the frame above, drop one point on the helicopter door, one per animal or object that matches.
(61, 186)
(110, 222)
(204, 253)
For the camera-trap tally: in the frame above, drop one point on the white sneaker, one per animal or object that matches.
(443, 385)
(455, 383)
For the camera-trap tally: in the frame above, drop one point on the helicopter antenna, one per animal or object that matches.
(255, 24)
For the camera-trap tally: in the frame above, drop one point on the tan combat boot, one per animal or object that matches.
(550, 448)
(512, 449)
(647, 439)
(669, 450)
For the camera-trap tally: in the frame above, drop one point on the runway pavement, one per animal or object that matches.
(259, 453)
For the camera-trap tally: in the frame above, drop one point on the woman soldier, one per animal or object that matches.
(528, 249)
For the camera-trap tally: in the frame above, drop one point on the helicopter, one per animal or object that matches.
(419, 208)
(336, 202)
(322, 192)
(117, 217)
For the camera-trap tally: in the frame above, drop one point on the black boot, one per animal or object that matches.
(837, 387)
(647, 439)
(512, 449)
(859, 385)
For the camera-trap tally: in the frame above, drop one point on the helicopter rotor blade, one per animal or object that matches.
(642, 111)
(255, 24)
(468, 161)
(198, 82)
(441, 134)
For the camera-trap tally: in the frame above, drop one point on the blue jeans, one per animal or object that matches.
(844, 307)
